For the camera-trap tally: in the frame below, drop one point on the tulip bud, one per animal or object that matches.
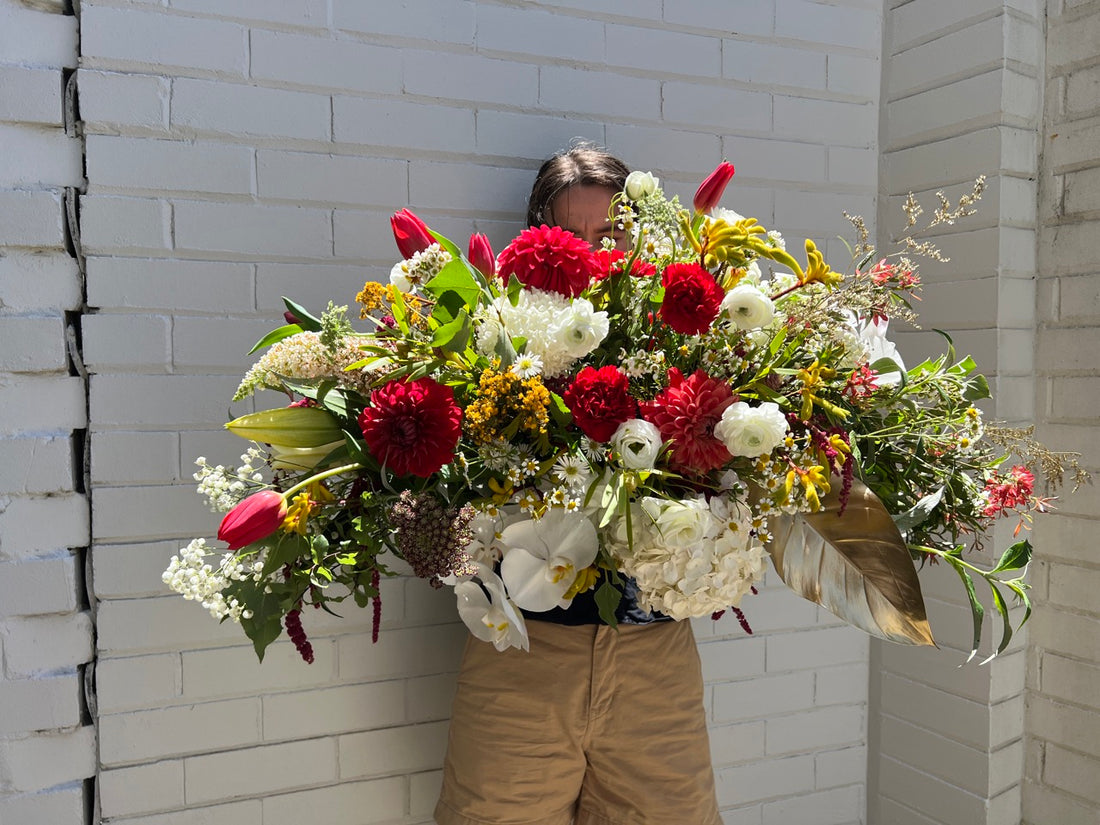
(481, 255)
(411, 233)
(710, 190)
(256, 517)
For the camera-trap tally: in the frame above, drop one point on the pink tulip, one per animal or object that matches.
(710, 190)
(411, 233)
(481, 255)
(256, 517)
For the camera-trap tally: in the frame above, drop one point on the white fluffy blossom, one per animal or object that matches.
(558, 330)
(751, 431)
(683, 579)
(298, 357)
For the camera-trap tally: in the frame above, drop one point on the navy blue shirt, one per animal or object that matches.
(583, 609)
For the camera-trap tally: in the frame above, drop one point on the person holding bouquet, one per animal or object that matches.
(593, 725)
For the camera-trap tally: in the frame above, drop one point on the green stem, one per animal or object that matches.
(320, 477)
(958, 562)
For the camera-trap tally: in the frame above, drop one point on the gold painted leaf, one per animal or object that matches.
(855, 565)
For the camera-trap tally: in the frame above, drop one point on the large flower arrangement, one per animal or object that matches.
(551, 421)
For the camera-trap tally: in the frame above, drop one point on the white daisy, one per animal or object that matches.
(528, 365)
(573, 471)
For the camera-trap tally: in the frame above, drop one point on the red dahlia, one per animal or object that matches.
(600, 401)
(611, 261)
(412, 426)
(686, 414)
(692, 298)
(549, 258)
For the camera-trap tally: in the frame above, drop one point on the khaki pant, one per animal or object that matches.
(594, 726)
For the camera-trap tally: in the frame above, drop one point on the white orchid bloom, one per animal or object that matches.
(488, 612)
(542, 558)
(873, 334)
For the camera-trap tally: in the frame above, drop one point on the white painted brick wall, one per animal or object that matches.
(242, 150)
(47, 744)
(1063, 759)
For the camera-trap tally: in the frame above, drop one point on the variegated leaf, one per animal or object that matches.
(855, 564)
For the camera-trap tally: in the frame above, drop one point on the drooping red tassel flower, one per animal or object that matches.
(297, 635)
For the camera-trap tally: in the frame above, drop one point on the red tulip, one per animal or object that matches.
(256, 517)
(710, 191)
(411, 233)
(481, 255)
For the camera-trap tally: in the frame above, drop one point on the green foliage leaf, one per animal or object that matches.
(306, 319)
(607, 600)
(456, 277)
(515, 287)
(266, 623)
(559, 411)
(275, 336)
(453, 336)
(1006, 622)
(1015, 557)
(977, 388)
(977, 611)
(916, 514)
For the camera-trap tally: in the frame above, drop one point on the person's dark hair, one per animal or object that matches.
(584, 164)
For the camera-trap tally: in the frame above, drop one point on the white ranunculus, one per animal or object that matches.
(542, 558)
(751, 431)
(638, 443)
(583, 328)
(748, 307)
(488, 612)
(873, 334)
(678, 522)
(640, 184)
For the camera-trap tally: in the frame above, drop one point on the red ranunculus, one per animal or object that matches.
(412, 426)
(549, 258)
(692, 298)
(611, 261)
(686, 414)
(481, 255)
(710, 190)
(411, 233)
(254, 518)
(600, 401)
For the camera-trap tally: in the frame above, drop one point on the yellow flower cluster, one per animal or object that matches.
(506, 404)
(375, 296)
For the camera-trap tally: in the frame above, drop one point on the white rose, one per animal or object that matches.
(751, 431)
(638, 442)
(640, 184)
(583, 328)
(679, 523)
(748, 307)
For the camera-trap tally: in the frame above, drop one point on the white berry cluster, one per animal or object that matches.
(190, 575)
(223, 488)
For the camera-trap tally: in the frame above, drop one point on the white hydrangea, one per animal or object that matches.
(190, 575)
(559, 330)
(697, 578)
